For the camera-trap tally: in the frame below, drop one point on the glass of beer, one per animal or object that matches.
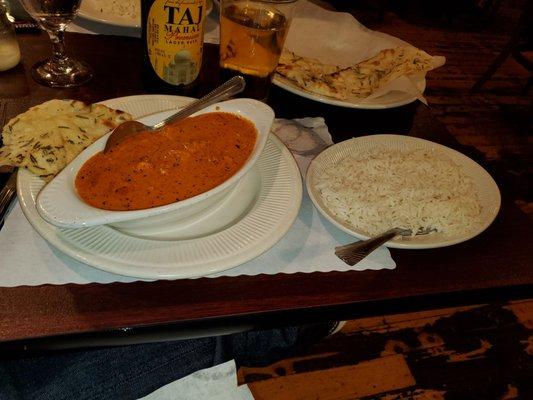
(252, 33)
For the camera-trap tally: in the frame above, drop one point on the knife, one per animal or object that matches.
(7, 194)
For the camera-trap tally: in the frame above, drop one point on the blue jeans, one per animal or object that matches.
(130, 372)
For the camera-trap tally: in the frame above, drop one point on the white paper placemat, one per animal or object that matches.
(27, 259)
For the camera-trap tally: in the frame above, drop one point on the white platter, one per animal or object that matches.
(390, 100)
(200, 251)
(90, 11)
(487, 190)
(59, 203)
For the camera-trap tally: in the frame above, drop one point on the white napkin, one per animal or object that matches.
(215, 383)
(339, 39)
(26, 259)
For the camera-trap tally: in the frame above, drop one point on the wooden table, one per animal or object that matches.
(494, 265)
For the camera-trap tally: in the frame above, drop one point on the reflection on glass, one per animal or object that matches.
(252, 33)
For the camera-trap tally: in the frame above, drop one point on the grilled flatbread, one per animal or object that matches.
(296, 67)
(47, 137)
(359, 80)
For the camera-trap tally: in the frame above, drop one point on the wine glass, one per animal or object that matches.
(60, 70)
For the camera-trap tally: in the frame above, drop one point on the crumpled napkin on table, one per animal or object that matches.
(215, 383)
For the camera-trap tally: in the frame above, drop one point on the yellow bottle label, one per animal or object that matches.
(174, 37)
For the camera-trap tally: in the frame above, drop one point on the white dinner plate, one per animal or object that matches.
(487, 190)
(89, 10)
(388, 100)
(252, 231)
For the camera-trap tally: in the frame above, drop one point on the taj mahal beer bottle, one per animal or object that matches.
(173, 35)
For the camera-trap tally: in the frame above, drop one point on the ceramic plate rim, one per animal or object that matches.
(290, 87)
(493, 212)
(420, 81)
(87, 12)
(51, 234)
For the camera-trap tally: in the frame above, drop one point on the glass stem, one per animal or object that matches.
(58, 41)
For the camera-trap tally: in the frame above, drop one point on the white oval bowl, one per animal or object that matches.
(59, 204)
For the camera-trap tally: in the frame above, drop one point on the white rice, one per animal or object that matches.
(380, 189)
(124, 8)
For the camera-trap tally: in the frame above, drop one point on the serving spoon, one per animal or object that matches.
(129, 128)
(352, 253)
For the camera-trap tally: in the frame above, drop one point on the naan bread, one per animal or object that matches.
(359, 80)
(299, 68)
(47, 137)
(308, 73)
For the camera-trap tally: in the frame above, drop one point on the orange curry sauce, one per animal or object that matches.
(152, 169)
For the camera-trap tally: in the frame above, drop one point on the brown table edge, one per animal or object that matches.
(263, 319)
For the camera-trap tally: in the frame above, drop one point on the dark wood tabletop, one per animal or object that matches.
(494, 265)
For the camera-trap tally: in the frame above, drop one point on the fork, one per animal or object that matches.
(9, 190)
(352, 253)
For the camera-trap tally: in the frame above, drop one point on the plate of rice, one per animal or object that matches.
(368, 185)
(125, 13)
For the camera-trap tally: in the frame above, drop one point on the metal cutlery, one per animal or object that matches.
(230, 88)
(7, 194)
(352, 253)
(9, 190)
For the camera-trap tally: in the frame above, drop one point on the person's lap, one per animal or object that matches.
(130, 372)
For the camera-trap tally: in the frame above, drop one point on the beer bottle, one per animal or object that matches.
(173, 36)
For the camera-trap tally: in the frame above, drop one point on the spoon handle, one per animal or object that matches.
(231, 87)
(371, 244)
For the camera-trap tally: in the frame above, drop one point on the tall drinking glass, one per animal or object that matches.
(60, 70)
(252, 33)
